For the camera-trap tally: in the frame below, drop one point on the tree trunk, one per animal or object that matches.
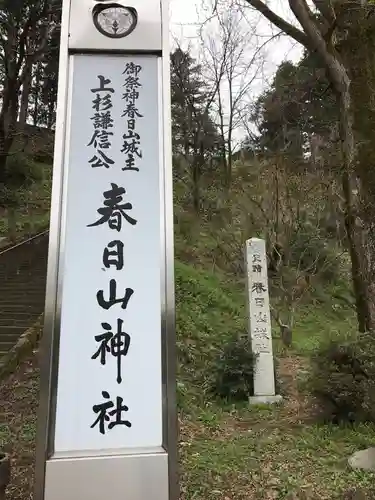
(37, 94)
(12, 224)
(5, 469)
(232, 110)
(8, 123)
(196, 186)
(360, 288)
(3, 154)
(229, 161)
(51, 115)
(223, 148)
(359, 52)
(26, 87)
(355, 234)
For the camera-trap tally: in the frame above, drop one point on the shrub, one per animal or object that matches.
(233, 371)
(22, 171)
(343, 380)
(43, 157)
(311, 253)
(10, 197)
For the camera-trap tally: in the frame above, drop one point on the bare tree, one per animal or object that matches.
(321, 29)
(290, 217)
(231, 67)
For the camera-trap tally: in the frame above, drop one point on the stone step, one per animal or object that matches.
(21, 315)
(11, 314)
(7, 331)
(24, 295)
(9, 340)
(34, 282)
(30, 300)
(22, 289)
(11, 330)
(22, 276)
(14, 322)
(6, 346)
(4, 326)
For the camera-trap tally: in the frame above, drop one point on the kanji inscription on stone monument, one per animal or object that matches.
(260, 330)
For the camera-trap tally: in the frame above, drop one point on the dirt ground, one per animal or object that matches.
(19, 396)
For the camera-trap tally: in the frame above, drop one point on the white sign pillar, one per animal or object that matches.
(260, 331)
(107, 423)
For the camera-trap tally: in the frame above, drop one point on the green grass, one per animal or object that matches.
(30, 213)
(267, 460)
(208, 312)
(233, 451)
(318, 325)
(229, 451)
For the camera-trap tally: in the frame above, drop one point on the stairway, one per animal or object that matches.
(22, 288)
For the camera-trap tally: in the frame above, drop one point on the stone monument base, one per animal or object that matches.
(265, 400)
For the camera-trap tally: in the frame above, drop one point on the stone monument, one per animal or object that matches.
(260, 322)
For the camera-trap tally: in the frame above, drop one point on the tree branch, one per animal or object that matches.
(326, 10)
(336, 71)
(278, 21)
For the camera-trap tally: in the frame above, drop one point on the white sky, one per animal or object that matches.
(184, 13)
(184, 17)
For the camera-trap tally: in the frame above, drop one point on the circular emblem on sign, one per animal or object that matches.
(114, 20)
